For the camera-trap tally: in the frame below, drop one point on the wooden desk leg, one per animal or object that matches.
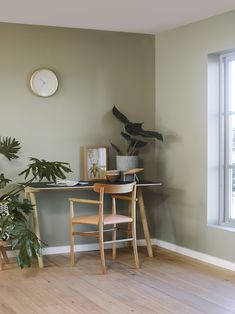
(36, 224)
(144, 221)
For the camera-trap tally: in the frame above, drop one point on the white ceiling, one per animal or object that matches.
(138, 16)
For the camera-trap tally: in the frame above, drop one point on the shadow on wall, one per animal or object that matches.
(161, 167)
(165, 202)
(160, 203)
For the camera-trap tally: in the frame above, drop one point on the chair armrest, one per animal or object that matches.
(84, 201)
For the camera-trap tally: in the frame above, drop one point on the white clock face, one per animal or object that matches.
(44, 82)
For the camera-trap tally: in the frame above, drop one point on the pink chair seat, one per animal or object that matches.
(108, 220)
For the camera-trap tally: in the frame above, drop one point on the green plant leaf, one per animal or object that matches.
(3, 181)
(9, 147)
(50, 170)
(120, 116)
(26, 242)
(134, 142)
(116, 148)
(136, 129)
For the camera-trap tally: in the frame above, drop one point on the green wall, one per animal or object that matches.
(181, 114)
(96, 69)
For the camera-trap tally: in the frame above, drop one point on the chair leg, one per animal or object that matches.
(129, 225)
(71, 246)
(135, 251)
(114, 237)
(102, 257)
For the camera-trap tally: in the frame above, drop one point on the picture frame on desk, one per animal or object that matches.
(95, 162)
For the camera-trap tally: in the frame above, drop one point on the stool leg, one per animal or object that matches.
(4, 254)
(3, 257)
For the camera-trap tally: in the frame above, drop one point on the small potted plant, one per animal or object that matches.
(15, 209)
(135, 138)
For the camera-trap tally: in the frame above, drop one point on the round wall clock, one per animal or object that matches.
(44, 82)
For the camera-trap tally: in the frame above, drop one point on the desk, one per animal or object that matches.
(34, 188)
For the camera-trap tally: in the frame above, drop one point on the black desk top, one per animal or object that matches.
(44, 186)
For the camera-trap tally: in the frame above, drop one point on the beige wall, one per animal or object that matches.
(181, 114)
(96, 70)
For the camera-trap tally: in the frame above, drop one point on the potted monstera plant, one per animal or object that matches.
(135, 138)
(15, 209)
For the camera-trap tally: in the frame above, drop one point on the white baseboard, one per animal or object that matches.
(86, 247)
(194, 254)
(163, 244)
(79, 248)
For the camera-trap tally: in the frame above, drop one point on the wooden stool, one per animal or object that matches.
(3, 255)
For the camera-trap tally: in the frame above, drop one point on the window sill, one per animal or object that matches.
(221, 227)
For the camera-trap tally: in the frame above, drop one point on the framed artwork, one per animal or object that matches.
(95, 162)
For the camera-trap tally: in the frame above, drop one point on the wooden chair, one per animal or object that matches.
(3, 255)
(125, 192)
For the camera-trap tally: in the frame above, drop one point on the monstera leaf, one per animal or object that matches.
(9, 147)
(26, 242)
(14, 227)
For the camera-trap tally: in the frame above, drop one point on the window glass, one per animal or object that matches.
(227, 145)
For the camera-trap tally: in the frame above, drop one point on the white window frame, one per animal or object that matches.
(225, 163)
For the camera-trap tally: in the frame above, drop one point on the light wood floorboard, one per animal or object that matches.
(167, 283)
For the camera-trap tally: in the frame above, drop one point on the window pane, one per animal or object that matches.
(231, 139)
(227, 138)
(231, 85)
(232, 197)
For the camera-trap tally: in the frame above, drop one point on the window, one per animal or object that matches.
(227, 138)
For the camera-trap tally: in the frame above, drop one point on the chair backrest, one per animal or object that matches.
(114, 188)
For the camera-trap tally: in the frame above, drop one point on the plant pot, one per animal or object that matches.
(125, 163)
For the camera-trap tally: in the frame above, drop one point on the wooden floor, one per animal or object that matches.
(167, 283)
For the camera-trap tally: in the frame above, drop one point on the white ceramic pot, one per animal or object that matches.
(125, 163)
